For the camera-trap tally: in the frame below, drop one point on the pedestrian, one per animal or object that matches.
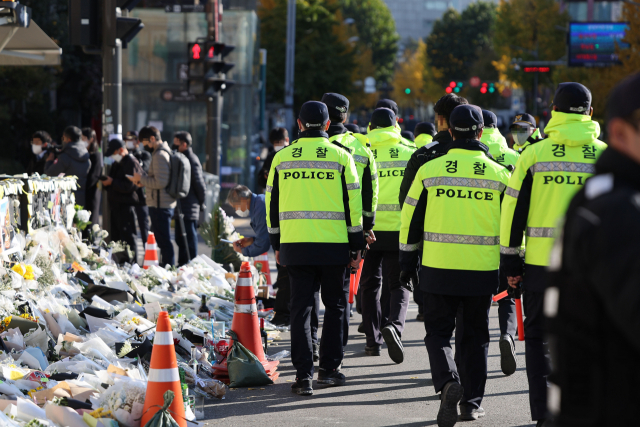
(122, 194)
(357, 145)
(249, 205)
(40, 143)
(73, 160)
(279, 138)
(438, 147)
(314, 219)
(452, 211)
(161, 204)
(391, 155)
(592, 305)
(425, 132)
(190, 205)
(93, 193)
(524, 131)
(547, 175)
(143, 156)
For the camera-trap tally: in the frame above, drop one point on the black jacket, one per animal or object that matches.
(190, 205)
(92, 197)
(263, 175)
(36, 165)
(73, 160)
(123, 192)
(438, 147)
(594, 339)
(143, 157)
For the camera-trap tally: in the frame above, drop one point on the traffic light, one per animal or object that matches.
(483, 88)
(93, 23)
(207, 67)
(407, 91)
(120, 27)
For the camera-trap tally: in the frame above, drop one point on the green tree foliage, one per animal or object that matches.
(459, 40)
(323, 63)
(377, 31)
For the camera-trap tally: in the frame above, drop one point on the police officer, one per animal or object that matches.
(497, 144)
(592, 307)
(393, 106)
(314, 218)
(391, 156)
(524, 131)
(452, 212)
(547, 175)
(424, 132)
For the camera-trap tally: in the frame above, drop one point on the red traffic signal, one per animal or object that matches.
(483, 89)
(452, 85)
(196, 52)
(537, 69)
(449, 89)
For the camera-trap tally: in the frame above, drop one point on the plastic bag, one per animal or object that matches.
(244, 367)
(163, 417)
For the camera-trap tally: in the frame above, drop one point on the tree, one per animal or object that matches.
(457, 40)
(323, 63)
(416, 74)
(377, 32)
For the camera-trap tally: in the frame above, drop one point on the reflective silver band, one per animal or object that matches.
(394, 164)
(411, 201)
(354, 186)
(311, 215)
(511, 192)
(374, 176)
(361, 159)
(307, 164)
(461, 239)
(410, 248)
(369, 214)
(563, 167)
(355, 229)
(273, 230)
(540, 231)
(245, 308)
(269, 188)
(506, 250)
(463, 182)
(388, 208)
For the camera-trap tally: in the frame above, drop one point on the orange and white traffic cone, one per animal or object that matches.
(151, 252)
(263, 261)
(163, 374)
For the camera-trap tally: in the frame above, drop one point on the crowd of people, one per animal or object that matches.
(455, 216)
(136, 184)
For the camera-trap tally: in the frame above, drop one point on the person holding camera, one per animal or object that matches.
(72, 160)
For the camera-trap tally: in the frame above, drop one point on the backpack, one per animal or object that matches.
(179, 176)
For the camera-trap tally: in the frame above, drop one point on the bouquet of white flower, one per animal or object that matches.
(82, 219)
(125, 400)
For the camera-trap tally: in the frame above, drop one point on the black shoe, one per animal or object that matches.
(374, 350)
(316, 352)
(361, 328)
(470, 412)
(449, 398)
(302, 387)
(351, 313)
(420, 317)
(543, 423)
(507, 354)
(394, 345)
(334, 377)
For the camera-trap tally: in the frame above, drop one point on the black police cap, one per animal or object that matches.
(572, 98)
(337, 101)
(425, 127)
(466, 119)
(352, 127)
(407, 134)
(114, 145)
(523, 119)
(383, 118)
(624, 102)
(490, 119)
(388, 103)
(314, 115)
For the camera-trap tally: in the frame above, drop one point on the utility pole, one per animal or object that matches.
(290, 65)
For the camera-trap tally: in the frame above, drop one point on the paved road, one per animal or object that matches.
(378, 392)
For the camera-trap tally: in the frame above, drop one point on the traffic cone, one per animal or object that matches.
(263, 261)
(151, 252)
(163, 374)
(246, 325)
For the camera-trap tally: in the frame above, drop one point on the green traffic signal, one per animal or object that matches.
(459, 84)
(492, 89)
(407, 91)
(456, 89)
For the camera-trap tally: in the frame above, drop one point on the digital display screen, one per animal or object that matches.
(593, 44)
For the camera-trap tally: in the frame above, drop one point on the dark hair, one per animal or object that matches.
(336, 116)
(90, 134)
(73, 133)
(183, 136)
(42, 136)
(278, 134)
(447, 103)
(147, 132)
(238, 192)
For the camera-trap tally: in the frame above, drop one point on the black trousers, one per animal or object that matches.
(315, 314)
(439, 322)
(536, 354)
(376, 265)
(506, 310)
(306, 281)
(283, 297)
(123, 227)
(142, 212)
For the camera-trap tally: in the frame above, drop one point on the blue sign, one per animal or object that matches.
(594, 44)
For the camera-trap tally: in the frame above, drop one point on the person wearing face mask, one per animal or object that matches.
(524, 131)
(279, 138)
(93, 194)
(143, 156)
(40, 142)
(72, 160)
(190, 205)
(122, 194)
(246, 204)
